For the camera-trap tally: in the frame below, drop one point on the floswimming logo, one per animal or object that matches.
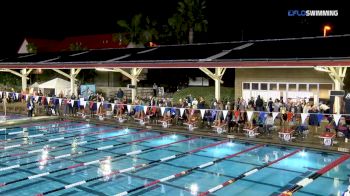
(313, 13)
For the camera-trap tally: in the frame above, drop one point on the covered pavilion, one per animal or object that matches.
(331, 55)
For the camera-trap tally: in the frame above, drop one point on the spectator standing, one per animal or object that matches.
(120, 94)
(30, 107)
(259, 103)
(4, 102)
(155, 88)
(270, 105)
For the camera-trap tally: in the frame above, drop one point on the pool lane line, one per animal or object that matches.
(49, 128)
(54, 139)
(51, 140)
(67, 130)
(304, 182)
(100, 160)
(45, 123)
(185, 172)
(67, 155)
(245, 174)
(34, 124)
(51, 132)
(56, 147)
(132, 168)
(40, 129)
(57, 139)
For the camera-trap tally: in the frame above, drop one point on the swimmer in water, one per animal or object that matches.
(266, 158)
(75, 143)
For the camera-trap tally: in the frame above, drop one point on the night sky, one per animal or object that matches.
(228, 20)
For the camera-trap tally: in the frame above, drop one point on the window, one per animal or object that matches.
(313, 88)
(273, 87)
(263, 86)
(324, 90)
(255, 86)
(292, 87)
(283, 87)
(246, 86)
(302, 87)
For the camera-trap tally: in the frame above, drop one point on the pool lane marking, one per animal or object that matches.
(56, 147)
(50, 140)
(43, 128)
(185, 172)
(132, 168)
(65, 131)
(6, 141)
(304, 182)
(38, 130)
(55, 139)
(245, 174)
(100, 160)
(62, 156)
(40, 123)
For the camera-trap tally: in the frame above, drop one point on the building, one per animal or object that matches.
(86, 42)
(271, 68)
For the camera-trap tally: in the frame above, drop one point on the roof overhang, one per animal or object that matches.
(177, 64)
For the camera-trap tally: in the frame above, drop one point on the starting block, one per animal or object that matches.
(165, 123)
(191, 126)
(120, 119)
(141, 121)
(251, 132)
(219, 129)
(100, 117)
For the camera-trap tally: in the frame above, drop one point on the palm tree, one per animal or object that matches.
(190, 18)
(176, 28)
(149, 33)
(77, 46)
(32, 48)
(133, 28)
(139, 31)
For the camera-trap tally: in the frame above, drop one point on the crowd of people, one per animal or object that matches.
(236, 116)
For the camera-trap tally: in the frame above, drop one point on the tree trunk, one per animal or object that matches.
(190, 36)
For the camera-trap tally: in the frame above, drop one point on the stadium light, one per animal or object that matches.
(325, 29)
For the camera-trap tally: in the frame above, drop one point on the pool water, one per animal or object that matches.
(10, 116)
(71, 158)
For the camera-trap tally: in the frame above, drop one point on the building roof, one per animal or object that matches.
(296, 52)
(99, 41)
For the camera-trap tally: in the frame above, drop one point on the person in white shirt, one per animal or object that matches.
(194, 103)
(324, 108)
(269, 123)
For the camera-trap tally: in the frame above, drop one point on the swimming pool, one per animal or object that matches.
(10, 116)
(72, 158)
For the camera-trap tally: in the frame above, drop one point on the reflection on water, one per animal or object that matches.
(44, 156)
(105, 168)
